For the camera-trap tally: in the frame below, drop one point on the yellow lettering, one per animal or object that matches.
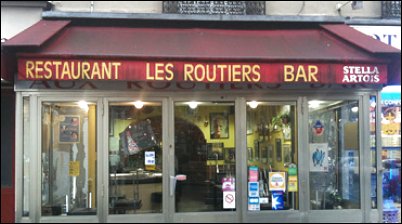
(236, 73)
(106, 70)
(85, 70)
(169, 71)
(116, 69)
(301, 73)
(48, 74)
(188, 69)
(96, 71)
(288, 73)
(158, 71)
(199, 77)
(38, 69)
(312, 71)
(57, 65)
(256, 72)
(66, 71)
(29, 66)
(246, 70)
(148, 72)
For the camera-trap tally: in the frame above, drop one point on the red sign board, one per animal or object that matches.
(209, 72)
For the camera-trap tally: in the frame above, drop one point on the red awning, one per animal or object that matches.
(37, 34)
(325, 44)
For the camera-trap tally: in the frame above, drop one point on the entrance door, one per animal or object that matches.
(204, 161)
(135, 161)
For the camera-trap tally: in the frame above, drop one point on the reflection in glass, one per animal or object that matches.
(135, 158)
(271, 156)
(68, 159)
(334, 155)
(205, 153)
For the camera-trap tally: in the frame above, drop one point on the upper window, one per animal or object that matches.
(215, 7)
(391, 9)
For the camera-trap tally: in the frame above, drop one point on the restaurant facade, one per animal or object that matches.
(262, 123)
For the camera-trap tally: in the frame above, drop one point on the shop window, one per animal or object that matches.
(334, 155)
(26, 158)
(373, 150)
(135, 158)
(271, 157)
(68, 158)
(205, 156)
(215, 7)
(391, 9)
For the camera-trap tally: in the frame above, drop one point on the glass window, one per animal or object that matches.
(271, 156)
(135, 157)
(205, 156)
(373, 150)
(26, 162)
(68, 158)
(334, 155)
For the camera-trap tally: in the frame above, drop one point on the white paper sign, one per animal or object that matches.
(229, 200)
(149, 158)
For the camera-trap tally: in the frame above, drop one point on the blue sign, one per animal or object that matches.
(277, 200)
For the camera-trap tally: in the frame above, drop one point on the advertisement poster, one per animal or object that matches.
(277, 181)
(254, 204)
(277, 200)
(70, 129)
(253, 189)
(253, 174)
(319, 157)
(292, 184)
(149, 160)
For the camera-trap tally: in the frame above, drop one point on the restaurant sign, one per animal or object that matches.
(207, 72)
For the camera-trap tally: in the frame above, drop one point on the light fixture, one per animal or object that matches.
(83, 105)
(253, 104)
(314, 104)
(193, 104)
(138, 104)
(354, 109)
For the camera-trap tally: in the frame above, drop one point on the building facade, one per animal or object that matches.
(183, 111)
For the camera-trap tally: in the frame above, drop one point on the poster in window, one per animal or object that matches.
(287, 153)
(219, 125)
(69, 131)
(319, 157)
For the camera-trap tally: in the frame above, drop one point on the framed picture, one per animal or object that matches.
(278, 149)
(219, 125)
(69, 129)
(215, 151)
(229, 155)
(270, 155)
(287, 153)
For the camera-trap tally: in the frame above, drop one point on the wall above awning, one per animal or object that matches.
(323, 44)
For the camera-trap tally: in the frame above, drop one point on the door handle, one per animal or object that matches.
(172, 185)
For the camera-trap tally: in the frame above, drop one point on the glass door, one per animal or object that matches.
(204, 158)
(135, 159)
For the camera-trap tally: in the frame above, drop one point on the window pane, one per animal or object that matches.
(205, 153)
(26, 175)
(271, 156)
(135, 158)
(68, 159)
(334, 154)
(373, 150)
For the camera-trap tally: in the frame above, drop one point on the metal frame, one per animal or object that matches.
(299, 97)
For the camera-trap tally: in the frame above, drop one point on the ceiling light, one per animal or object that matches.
(83, 105)
(138, 104)
(253, 104)
(193, 104)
